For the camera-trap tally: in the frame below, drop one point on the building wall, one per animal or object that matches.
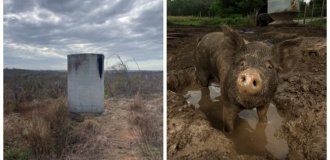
(275, 6)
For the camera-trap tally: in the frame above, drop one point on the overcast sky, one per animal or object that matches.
(39, 34)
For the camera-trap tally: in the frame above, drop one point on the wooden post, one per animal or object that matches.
(305, 13)
(322, 8)
(313, 10)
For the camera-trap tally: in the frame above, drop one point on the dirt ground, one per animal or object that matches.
(118, 138)
(124, 141)
(110, 135)
(299, 104)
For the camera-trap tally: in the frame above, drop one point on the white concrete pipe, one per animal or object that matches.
(86, 83)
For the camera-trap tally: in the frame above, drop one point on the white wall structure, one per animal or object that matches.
(275, 6)
(283, 11)
(86, 83)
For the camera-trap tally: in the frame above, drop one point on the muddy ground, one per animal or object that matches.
(297, 117)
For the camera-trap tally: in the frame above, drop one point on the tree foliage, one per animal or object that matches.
(188, 7)
(212, 7)
(228, 7)
(317, 11)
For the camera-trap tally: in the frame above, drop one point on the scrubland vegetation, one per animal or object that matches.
(37, 124)
(147, 126)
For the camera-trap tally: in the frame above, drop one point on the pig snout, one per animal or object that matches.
(249, 82)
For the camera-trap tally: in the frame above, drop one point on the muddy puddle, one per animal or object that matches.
(249, 136)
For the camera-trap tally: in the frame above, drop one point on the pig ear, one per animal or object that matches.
(287, 54)
(232, 39)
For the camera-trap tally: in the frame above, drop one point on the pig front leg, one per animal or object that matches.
(262, 113)
(203, 76)
(229, 114)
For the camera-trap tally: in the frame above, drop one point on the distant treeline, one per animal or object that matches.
(211, 8)
(316, 10)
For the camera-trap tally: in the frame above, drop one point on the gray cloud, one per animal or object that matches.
(38, 34)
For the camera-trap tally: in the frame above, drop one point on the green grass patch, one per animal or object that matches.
(235, 20)
(321, 23)
(16, 154)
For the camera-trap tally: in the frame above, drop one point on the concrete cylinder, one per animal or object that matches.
(86, 83)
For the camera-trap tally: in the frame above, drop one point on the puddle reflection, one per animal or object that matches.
(249, 136)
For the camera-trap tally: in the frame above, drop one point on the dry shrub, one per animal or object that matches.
(13, 126)
(62, 139)
(148, 126)
(8, 105)
(150, 129)
(48, 131)
(137, 103)
(24, 86)
(14, 143)
(122, 82)
(38, 136)
(57, 116)
(86, 140)
(57, 88)
(91, 127)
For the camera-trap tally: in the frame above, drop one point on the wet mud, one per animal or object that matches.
(296, 127)
(249, 136)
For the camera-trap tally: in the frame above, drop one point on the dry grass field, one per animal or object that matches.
(37, 124)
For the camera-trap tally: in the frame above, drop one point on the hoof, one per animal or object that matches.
(229, 129)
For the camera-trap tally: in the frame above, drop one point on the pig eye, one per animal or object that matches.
(269, 65)
(243, 63)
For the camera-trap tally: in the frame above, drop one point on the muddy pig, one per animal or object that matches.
(248, 72)
(264, 19)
